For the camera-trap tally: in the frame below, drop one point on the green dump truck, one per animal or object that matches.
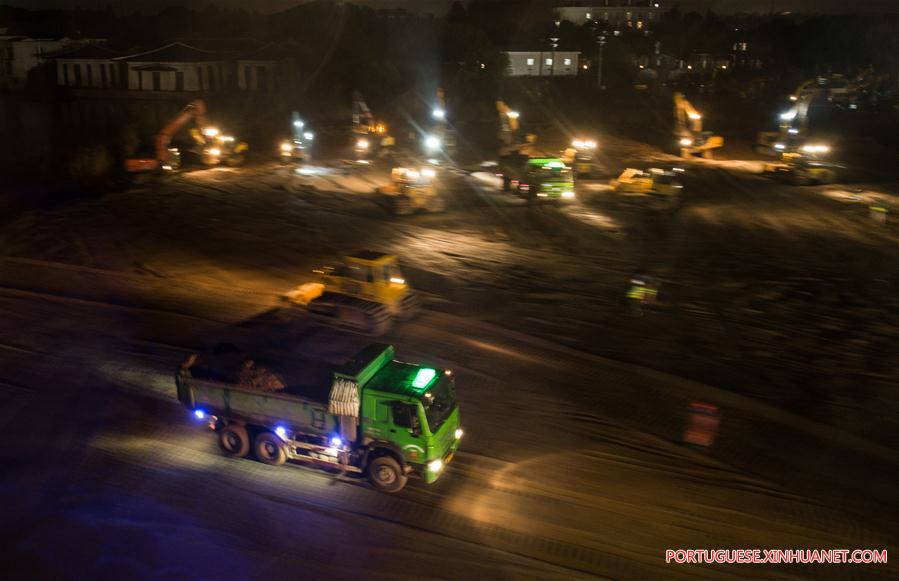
(372, 416)
(539, 179)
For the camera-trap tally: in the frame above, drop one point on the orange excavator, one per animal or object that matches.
(169, 158)
(211, 145)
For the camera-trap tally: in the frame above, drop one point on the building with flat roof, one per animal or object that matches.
(618, 13)
(546, 63)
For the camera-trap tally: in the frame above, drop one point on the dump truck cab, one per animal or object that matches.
(413, 411)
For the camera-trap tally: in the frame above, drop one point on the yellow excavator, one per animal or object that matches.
(371, 139)
(366, 294)
(691, 139)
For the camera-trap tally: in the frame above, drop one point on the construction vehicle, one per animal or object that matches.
(537, 178)
(411, 190)
(511, 139)
(805, 166)
(370, 137)
(366, 294)
(691, 139)
(442, 136)
(168, 158)
(801, 161)
(652, 181)
(581, 156)
(296, 149)
(213, 147)
(372, 416)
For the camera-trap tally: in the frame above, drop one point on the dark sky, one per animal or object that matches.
(439, 6)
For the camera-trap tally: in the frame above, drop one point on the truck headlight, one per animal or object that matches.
(286, 147)
(459, 433)
(569, 194)
(362, 144)
(308, 136)
(686, 141)
(432, 143)
(435, 465)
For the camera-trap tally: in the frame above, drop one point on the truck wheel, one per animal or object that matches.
(234, 441)
(385, 474)
(270, 449)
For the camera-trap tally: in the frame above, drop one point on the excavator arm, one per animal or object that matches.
(688, 121)
(194, 110)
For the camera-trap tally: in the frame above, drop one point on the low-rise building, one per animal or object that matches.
(177, 67)
(547, 63)
(19, 55)
(618, 13)
(90, 67)
(266, 69)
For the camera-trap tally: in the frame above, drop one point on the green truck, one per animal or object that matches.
(371, 416)
(537, 178)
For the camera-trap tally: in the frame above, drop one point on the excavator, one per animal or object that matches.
(802, 160)
(213, 146)
(691, 139)
(510, 131)
(371, 139)
(366, 294)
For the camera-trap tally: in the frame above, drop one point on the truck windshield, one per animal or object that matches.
(439, 401)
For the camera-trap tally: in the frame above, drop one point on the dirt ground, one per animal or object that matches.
(777, 303)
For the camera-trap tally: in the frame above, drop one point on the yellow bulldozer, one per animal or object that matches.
(367, 293)
(412, 190)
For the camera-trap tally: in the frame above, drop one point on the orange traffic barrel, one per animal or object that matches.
(702, 424)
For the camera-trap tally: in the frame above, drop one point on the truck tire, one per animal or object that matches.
(270, 449)
(234, 441)
(386, 475)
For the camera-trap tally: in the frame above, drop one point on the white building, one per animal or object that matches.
(619, 13)
(176, 67)
(265, 69)
(548, 63)
(89, 67)
(20, 54)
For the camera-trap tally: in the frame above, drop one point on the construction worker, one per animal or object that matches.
(642, 292)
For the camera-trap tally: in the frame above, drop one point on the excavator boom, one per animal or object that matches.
(194, 110)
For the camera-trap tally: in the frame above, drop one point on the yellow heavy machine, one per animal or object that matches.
(412, 190)
(691, 139)
(370, 137)
(581, 157)
(806, 166)
(649, 181)
(366, 294)
(510, 133)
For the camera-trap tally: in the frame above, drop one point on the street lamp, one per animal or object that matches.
(555, 44)
(601, 41)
